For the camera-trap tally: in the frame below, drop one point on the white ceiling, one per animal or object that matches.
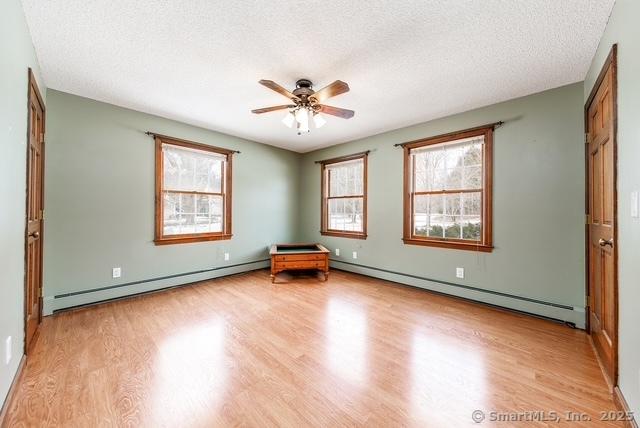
(406, 62)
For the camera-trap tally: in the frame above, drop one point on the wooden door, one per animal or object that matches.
(35, 212)
(601, 224)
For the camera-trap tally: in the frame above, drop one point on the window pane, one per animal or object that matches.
(472, 204)
(436, 227)
(430, 170)
(472, 177)
(454, 178)
(188, 213)
(454, 154)
(346, 178)
(192, 170)
(473, 153)
(471, 229)
(420, 215)
(453, 204)
(428, 215)
(452, 227)
(346, 214)
(471, 218)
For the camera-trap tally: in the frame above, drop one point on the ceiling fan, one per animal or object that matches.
(307, 102)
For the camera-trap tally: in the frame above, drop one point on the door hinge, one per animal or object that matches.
(41, 214)
(42, 137)
(586, 138)
(587, 219)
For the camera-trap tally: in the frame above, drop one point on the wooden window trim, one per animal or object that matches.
(486, 242)
(324, 204)
(160, 239)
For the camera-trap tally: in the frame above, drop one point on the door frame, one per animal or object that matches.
(611, 61)
(32, 84)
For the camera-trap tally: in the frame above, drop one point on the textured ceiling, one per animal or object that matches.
(406, 62)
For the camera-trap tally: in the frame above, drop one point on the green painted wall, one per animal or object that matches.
(538, 206)
(100, 202)
(623, 29)
(16, 56)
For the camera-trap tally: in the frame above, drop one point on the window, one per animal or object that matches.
(193, 192)
(448, 187)
(344, 196)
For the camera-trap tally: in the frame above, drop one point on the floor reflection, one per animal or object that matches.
(446, 373)
(190, 364)
(347, 340)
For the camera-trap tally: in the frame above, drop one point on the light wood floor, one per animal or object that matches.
(353, 351)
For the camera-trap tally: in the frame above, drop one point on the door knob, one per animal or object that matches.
(605, 242)
(34, 235)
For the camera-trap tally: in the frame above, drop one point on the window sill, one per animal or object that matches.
(191, 239)
(449, 244)
(343, 234)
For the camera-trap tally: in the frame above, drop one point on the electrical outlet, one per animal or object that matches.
(459, 272)
(116, 272)
(226, 257)
(355, 254)
(337, 251)
(7, 350)
(634, 204)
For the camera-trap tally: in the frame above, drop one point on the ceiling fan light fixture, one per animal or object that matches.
(288, 120)
(319, 120)
(302, 116)
(305, 104)
(301, 113)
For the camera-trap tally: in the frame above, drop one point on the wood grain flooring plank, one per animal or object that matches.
(353, 351)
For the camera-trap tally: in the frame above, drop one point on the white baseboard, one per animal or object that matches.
(69, 300)
(574, 315)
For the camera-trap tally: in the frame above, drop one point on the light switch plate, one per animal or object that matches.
(634, 204)
(226, 257)
(459, 272)
(355, 254)
(337, 251)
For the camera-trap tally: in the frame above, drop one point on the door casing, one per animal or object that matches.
(610, 62)
(32, 88)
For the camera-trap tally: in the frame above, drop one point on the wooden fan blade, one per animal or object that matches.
(336, 88)
(279, 89)
(274, 108)
(336, 111)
